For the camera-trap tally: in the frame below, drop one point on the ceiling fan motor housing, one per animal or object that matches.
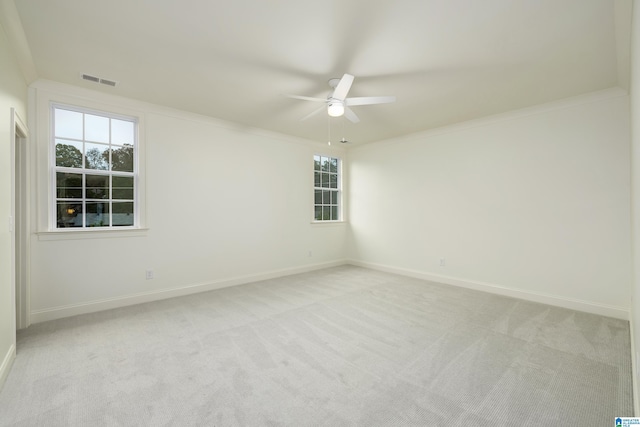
(335, 107)
(338, 104)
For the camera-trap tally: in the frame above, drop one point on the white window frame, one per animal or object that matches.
(53, 220)
(338, 190)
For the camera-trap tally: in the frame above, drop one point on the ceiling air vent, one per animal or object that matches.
(95, 79)
(91, 78)
(108, 82)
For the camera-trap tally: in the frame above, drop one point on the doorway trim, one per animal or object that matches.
(20, 220)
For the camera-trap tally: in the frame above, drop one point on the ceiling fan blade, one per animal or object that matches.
(369, 100)
(306, 98)
(313, 113)
(349, 114)
(342, 89)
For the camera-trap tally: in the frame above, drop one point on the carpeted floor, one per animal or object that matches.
(345, 346)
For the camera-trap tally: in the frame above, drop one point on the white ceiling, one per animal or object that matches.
(446, 60)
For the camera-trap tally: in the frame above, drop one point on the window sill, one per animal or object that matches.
(328, 223)
(91, 234)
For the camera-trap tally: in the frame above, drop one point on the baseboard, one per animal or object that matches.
(43, 315)
(7, 362)
(558, 301)
(634, 367)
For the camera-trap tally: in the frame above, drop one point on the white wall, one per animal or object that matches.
(224, 205)
(534, 203)
(13, 94)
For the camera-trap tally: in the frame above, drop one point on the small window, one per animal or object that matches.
(94, 169)
(327, 184)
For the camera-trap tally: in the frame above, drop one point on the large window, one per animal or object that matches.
(94, 169)
(327, 188)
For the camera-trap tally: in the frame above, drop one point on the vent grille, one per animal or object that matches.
(107, 82)
(100, 80)
(91, 78)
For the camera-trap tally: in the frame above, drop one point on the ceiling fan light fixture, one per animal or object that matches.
(338, 101)
(335, 109)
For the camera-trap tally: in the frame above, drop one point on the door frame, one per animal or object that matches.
(20, 221)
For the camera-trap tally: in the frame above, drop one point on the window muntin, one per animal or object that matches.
(94, 169)
(326, 176)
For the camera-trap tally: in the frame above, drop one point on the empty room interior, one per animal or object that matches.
(319, 213)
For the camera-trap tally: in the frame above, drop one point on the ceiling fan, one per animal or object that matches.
(337, 104)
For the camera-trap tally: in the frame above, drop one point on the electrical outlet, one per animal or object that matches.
(443, 262)
(149, 274)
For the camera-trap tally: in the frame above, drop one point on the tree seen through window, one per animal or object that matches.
(326, 188)
(94, 169)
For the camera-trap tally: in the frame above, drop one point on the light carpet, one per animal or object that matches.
(344, 346)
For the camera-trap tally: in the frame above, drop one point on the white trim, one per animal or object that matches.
(7, 362)
(555, 300)
(598, 96)
(74, 234)
(41, 104)
(20, 124)
(57, 90)
(327, 223)
(59, 312)
(19, 136)
(339, 190)
(54, 169)
(634, 367)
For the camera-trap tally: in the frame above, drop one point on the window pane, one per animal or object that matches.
(96, 156)
(326, 176)
(325, 180)
(325, 164)
(97, 187)
(122, 187)
(68, 185)
(102, 146)
(122, 159)
(68, 124)
(326, 213)
(68, 153)
(122, 213)
(333, 180)
(96, 128)
(122, 132)
(97, 214)
(69, 214)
